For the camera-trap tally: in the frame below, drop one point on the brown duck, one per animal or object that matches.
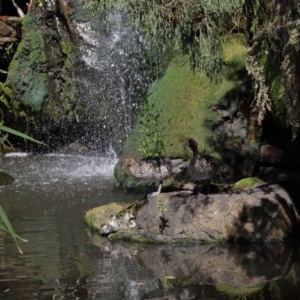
(154, 168)
(202, 168)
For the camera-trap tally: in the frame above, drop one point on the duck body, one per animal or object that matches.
(202, 168)
(153, 168)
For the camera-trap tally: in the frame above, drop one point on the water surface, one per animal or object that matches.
(63, 260)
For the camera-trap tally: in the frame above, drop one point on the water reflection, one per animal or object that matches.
(63, 260)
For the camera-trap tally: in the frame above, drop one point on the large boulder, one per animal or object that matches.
(263, 212)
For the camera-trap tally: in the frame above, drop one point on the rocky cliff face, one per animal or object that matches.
(76, 76)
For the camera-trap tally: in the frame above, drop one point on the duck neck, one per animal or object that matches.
(195, 150)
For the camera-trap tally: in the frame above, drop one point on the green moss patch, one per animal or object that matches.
(100, 215)
(182, 99)
(247, 182)
(234, 291)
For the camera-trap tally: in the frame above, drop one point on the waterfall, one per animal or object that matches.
(79, 77)
(112, 78)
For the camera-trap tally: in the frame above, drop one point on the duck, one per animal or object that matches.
(128, 220)
(154, 169)
(202, 168)
(115, 224)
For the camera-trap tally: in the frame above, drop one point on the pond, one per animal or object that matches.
(64, 260)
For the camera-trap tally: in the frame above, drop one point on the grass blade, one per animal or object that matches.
(19, 134)
(9, 228)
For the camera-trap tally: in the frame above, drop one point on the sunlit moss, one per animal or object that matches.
(182, 100)
(236, 291)
(247, 182)
(100, 215)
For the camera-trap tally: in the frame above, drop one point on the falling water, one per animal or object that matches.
(112, 76)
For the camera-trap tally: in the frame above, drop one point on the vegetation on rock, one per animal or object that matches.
(273, 30)
(193, 27)
(247, 182)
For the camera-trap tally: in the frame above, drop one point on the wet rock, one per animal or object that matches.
(261, 213)
(5, 179)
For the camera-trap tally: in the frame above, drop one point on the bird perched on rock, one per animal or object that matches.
(202, 168)
(154, 168)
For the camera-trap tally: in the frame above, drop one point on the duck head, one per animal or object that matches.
(192, 144)
(128, 162)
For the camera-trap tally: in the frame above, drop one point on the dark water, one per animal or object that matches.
(63, 260)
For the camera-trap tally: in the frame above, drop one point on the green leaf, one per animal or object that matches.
(19, 134)
(7, 227)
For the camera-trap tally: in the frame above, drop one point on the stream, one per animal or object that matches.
(64, 260)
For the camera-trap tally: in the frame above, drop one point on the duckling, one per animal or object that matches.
(202, 168)
(128, 220)
(153, 168)
(114, 223)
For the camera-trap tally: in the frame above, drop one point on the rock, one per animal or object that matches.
(5, 179)
(113, 217)
(261, 213)
(98, 216)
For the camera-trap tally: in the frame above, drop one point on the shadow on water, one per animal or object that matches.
(63, 260)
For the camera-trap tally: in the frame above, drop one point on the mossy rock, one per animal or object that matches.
(131, 235)
(100, 215)
(247, 182)
(5, 179)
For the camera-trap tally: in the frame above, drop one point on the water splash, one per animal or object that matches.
(57, 173)
(112, 76)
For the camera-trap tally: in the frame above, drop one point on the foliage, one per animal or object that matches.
(4, 142)
(19, 134)
(161, 205)
(194, 27)
(273, 60)
(182, 100)
(152, 140)
(6, 226)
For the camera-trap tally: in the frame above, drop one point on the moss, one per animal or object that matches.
(100, 215)
(130, 235)
(234, 291)
(247, 182)
(8, 92)
(27, 72)
(67, 49)
(182, 99)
